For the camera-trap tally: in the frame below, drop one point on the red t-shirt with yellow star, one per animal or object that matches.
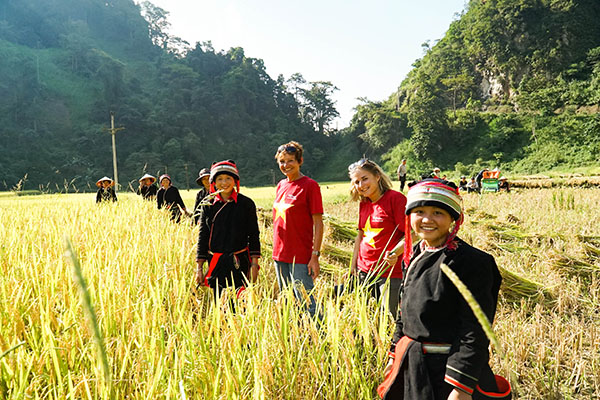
(378, 221)
(295, 204)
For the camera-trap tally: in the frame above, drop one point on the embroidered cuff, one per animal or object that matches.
(460, 380)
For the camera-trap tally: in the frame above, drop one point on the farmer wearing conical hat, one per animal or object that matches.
(203, 180)
(503, 184)
(168, 197)
(147, 187)
(439, 349)
(105, 191)
(229, 236)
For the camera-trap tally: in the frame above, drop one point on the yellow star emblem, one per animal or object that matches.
(369, 233)
(280, 208)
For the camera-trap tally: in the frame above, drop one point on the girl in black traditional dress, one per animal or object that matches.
(168, 196)
(439, 350)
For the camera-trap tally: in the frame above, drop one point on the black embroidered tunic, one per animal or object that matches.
(147, 192)
(170, 199)
(433, 311)
(107, 194)
(231, 230)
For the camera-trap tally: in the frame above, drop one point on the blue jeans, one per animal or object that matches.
(286, 272)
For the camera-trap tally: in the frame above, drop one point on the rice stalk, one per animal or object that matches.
(571, 266)
(10, 350)
(481, 318)
(336, 254)
(591, 239)
(340, 230)
(592, 251)
(89, 312)
(515, 287)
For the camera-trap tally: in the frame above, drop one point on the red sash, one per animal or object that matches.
(211, 267)
(401, 347)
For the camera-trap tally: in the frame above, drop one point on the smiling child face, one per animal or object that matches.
(432, 224)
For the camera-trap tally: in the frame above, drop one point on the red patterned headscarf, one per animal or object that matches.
(224, 167)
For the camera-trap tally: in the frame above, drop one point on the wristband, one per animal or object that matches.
(316, 253)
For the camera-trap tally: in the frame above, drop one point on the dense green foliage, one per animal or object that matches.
(513, 83)
(66, 64)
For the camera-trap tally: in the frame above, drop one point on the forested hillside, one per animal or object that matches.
(66, 64)
(513, 83)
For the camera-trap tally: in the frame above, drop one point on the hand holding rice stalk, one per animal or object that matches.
(480, 315)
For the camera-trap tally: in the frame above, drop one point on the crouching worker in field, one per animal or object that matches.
(105, 191)
(439, 350)
(229, 236)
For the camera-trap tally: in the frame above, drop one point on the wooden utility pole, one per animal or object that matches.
(187, 177)
(113, 132)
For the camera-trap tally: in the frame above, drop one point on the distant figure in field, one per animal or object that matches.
(472, 186)
(105, 191)
(503, 184)
(376, 257)
(168, 197)
(479, 177)
(436, 173)
(229, 236)
(297, 225)
(401, 172)
(147, 187)
(462, 185)
(203, 180)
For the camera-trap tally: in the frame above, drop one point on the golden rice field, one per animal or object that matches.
(165, 340)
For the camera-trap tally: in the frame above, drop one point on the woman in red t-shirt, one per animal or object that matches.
(379, 242)
(297, 224)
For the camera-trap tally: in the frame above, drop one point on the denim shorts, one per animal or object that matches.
(298, 274)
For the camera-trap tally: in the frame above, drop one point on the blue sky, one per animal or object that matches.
(365, 48)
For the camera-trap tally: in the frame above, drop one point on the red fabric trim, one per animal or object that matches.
(504, 388)
(211, 267)
(239, 292)
(407, 242)
(459, 385)
(438, 184)
(401, 347)
(233, 196)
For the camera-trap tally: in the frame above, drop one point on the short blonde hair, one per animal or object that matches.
(385, 183)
